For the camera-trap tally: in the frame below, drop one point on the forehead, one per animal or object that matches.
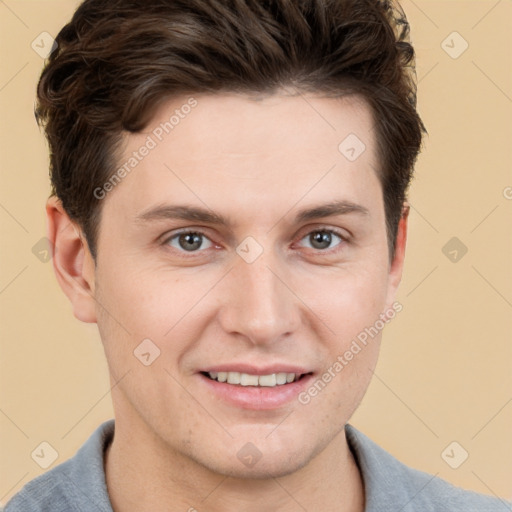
(229, 124)
(207, 148)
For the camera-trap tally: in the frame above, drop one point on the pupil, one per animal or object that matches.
(190, 241)
(321, 240)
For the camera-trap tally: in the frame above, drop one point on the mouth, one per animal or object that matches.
(255, 389)
(246, 379)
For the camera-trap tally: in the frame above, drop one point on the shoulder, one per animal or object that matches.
(48, 490)
(74, 485)
(391, 485)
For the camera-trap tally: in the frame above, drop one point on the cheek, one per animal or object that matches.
(147, 302)
(350, 306)
(162, 307)
(133, 321)
(347, 301)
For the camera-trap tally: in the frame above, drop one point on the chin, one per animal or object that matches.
(267, 467)
(256, 457)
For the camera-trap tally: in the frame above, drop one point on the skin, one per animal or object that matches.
(256, 162)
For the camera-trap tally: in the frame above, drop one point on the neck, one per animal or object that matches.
(143, 474)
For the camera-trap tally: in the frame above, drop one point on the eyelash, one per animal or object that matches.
(343, 237)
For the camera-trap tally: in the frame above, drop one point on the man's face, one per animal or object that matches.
(271, 290)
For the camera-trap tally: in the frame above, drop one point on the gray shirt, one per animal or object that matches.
(79, 483)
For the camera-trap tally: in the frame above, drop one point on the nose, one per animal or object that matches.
(258, 302)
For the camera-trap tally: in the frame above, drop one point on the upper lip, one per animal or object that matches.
(252, 369)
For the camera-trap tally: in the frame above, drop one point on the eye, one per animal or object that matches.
(189, 241)
(322, 239)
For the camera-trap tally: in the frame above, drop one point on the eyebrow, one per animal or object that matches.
(199, 214)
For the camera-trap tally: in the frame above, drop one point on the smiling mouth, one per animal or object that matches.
(246, 379)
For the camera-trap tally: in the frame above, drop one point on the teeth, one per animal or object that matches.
(248, 380)
(281, 378)
(268, 380)
(233, 378)
(245, 379)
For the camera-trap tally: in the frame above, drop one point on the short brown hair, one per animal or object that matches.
(117, 60)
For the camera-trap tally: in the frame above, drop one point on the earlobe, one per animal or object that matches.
(396, 267)
(72, 261)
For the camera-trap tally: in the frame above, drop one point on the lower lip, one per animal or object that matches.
(257, 397)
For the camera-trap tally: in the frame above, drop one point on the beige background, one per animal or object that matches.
(445, 372)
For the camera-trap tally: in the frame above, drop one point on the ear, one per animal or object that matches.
(72, 261)
(396, 266)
